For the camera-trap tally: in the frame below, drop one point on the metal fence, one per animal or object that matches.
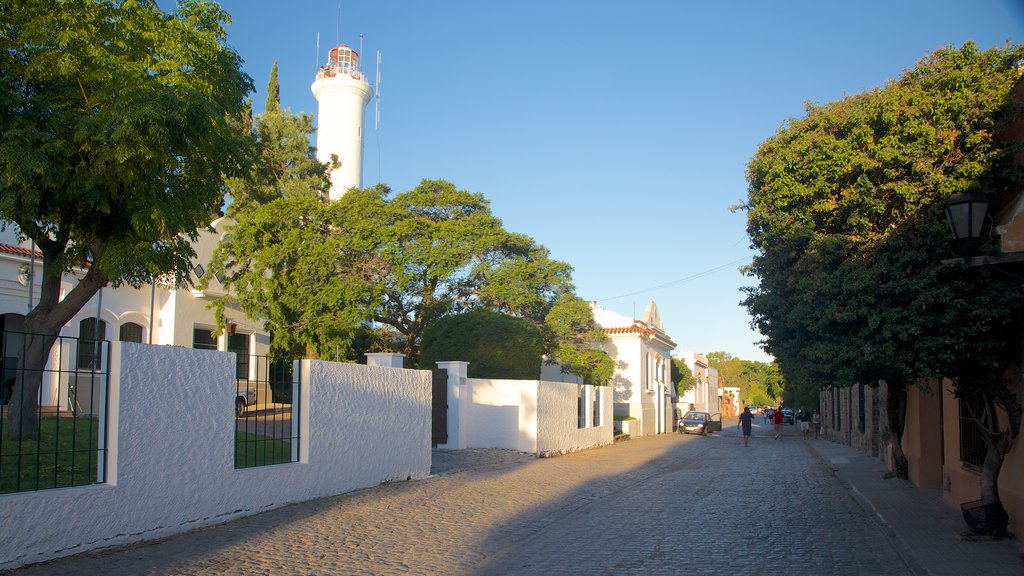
(53, 422)
(266, 414)
(972, 441)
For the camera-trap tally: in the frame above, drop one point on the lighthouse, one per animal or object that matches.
(342, 93)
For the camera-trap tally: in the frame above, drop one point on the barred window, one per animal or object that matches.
(972, 441)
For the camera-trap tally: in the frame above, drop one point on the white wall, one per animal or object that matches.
(502, 414)
(171, 461)
(532, 416)
(557, 422)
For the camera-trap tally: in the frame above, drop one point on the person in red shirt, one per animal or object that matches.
(778, 422)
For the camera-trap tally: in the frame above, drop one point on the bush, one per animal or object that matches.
(494, 344)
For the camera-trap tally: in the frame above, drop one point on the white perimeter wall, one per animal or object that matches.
(532, 416)
(502, 414)
(171, 461)
(557, 421)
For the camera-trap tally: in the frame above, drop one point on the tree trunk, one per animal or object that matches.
(895, 411)
(997, 444)
(23, 411)
(42, 324)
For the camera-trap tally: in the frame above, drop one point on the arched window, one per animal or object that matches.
(90, 341)
(131, 332)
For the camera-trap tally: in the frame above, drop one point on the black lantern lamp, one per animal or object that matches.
(966, 213)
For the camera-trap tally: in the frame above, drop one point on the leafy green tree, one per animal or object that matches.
(524, 281)
(682, 377)
(845, 209)
(760, 383)
(116, 142)
(291, 257)
(442, 252)
(573, 339)
(495, 345)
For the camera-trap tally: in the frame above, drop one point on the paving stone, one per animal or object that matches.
(661, 505)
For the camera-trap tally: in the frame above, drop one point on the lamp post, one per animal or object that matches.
(966, 212)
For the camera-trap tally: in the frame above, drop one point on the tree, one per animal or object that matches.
(845, 209)
(682, 377)
(291, 257)
(116, 142)
(573, 339)
(495, 345)
(443, 252)
(760, 383)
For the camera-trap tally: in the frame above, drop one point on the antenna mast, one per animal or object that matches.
(376, 94)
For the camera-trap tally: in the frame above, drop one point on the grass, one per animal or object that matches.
(65, 455)
(256, 450)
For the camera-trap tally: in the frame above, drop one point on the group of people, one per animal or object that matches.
(803, 419)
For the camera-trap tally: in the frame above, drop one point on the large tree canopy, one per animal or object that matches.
(116, 142)
(845, 209)
(291, 257)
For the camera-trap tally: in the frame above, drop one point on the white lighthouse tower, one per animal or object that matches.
(342, 93)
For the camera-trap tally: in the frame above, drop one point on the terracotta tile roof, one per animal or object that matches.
(19, 251)
(642, 329)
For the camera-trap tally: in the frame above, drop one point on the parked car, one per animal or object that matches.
(700, 423)
(246, 397)
(787, 416)
(753, 410)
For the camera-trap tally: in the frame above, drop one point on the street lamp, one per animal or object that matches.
(966, 212)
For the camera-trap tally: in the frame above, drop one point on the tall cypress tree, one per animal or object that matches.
(273, 91)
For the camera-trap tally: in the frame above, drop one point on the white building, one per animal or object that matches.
(704, 396)
(642, 382)
(152, 314)
(156, 314)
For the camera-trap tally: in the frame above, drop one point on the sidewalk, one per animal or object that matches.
(924, 528)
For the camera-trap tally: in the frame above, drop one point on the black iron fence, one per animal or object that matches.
(266, 414)
(972, 440)
(53, 422)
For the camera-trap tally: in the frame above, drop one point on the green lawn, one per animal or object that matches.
(65, 455)
(256, 450)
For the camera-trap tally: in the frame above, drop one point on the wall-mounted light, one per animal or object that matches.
(966, 212)
(24, 275)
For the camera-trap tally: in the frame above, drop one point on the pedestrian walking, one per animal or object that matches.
(803, 420)
(816, 422)
(767, 414)
(777, 418)
(746, 423)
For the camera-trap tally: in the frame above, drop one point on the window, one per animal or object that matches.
(131, 332)
(239, 344)
(972, 443)
(203, 339)
(90, 340)
(597, 406)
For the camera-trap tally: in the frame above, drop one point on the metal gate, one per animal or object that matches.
(439, 428)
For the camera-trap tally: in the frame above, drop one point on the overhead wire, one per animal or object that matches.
(680, 280)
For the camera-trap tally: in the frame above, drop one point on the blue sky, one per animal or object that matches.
(617, 134)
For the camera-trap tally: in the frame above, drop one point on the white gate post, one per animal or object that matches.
(458, 402)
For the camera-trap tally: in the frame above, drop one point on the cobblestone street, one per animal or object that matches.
(660, 505)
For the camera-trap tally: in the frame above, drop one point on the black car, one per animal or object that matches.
(700, 423)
